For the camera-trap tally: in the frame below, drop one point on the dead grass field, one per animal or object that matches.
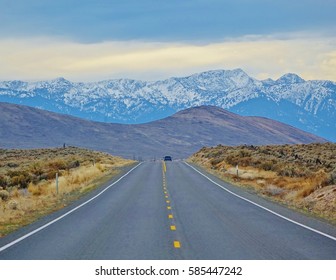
(28, 181)
(299, 176)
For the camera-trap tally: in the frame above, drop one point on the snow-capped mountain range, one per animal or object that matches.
(308, 105)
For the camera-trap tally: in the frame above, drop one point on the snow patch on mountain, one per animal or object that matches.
(132, 101)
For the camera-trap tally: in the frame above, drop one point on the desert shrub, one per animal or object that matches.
(21, 179)
(34, 189)
(3, 181)
(15, 192)
(57, 164)
(214, 154)
(101, 167)
(244, 153)
(256, 162)
(305, 190)
(332, 178)
(43, 176)
(267, 165)
(12, 164)
(13, 173)
(50, 175)
(302, 172)
(287, 171)
(326, 179)
(36, 169)
(73, 164)
(294, 171)
(4, 195)
(273, 190)
(215, 161)
(321, 175)
(245, 161)
(265, 151)
(232, 159)
(13, 205)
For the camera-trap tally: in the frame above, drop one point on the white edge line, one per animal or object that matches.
(64, 215)
(264, 208)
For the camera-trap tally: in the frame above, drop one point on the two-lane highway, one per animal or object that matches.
(177, 213)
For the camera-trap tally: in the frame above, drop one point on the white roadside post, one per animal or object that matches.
(57, 183)
(237, 169)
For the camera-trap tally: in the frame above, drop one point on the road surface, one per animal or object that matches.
(172, 212)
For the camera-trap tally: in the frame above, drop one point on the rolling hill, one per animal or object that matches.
(179, 135)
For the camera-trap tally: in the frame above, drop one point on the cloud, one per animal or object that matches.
(312, 57)
(152, 20)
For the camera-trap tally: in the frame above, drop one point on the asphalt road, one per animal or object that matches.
(177, 214)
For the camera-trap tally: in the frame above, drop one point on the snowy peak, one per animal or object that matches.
(309, 105)
(221, 80)
(13, 85)
(221, 74)
(61, 81)
(290, 78)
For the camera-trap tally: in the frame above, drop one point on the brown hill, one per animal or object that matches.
(179, 135)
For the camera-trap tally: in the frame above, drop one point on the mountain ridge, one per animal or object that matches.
(308, 105)
(179, 135)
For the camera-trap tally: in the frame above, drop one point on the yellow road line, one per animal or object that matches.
(168, 201)
(164, 167)
(170, 216)
(172, 227)
(168, 207)
(177, 244)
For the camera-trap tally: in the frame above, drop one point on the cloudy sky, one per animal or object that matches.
(89, 40)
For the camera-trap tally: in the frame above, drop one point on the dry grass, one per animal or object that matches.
(291, 174)
(28, 187)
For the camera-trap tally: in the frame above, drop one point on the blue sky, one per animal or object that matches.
(87, 37)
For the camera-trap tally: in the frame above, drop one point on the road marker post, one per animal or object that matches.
(56, 182)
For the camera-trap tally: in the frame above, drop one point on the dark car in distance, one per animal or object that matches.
(167, 158)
